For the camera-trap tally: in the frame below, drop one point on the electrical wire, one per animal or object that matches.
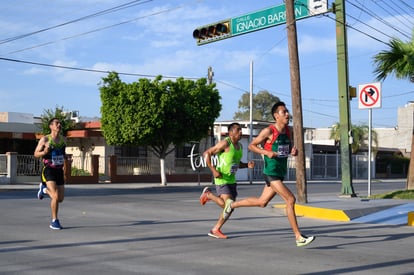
(390, 8)
(114, 9)
(90, 70)
(97, 30)
(405, 4)
(375, 16)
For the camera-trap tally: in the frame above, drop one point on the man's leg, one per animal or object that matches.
(218, 200)
(215, 232)
(221, 221)
(280, 188)
(61, 193)
(267, 195)
(52, 191)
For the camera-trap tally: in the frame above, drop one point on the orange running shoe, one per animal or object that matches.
(216, 233)
(204, 196)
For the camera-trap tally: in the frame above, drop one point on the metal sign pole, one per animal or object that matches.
(251, 121)
(369, 150)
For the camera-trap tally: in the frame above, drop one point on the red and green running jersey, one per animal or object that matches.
(281, 144)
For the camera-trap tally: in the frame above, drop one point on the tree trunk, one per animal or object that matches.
(410, 176)
(162, 171)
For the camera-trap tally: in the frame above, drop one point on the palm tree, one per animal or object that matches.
(398, 60)
(359, 136)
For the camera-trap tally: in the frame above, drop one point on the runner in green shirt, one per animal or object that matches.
(228, 154)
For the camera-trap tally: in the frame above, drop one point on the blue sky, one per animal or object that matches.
(155, 38)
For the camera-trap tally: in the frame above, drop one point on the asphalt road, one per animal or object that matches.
(136, 229)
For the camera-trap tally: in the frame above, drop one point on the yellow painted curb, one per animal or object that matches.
(319, 213)
(410, 218)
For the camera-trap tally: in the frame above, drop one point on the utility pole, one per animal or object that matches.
(296, 101)
(250, 156)
(343, 93)
(210, 75)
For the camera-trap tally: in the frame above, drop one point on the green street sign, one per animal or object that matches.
(257, 20)
(266, 18)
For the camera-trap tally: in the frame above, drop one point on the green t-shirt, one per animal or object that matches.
(228, 163)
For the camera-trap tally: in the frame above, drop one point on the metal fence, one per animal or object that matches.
(3, 164)
(259, 164)
(321, 166)
(28, 165)
(144, 166)
(325, 166)
(134, 166)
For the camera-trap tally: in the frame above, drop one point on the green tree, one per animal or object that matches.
(262, 104)
(398, 59)
(360, 136)
(58, 112)
(159, 114)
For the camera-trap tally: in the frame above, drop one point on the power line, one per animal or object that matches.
(392, 8)
(97, 30)
(373, 15)
(100, 29)
(114, 9)
(355, 29)
(91, 70)
(405, 4)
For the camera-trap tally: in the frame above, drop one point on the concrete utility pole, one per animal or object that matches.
(296, 101)
(343, 93)
(210, 75)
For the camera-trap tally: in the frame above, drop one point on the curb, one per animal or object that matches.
(410, 219)
(340, 215)
(319, 213)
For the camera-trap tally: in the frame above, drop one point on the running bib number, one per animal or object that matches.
(283, 151)
(233, 168)
(58, 160)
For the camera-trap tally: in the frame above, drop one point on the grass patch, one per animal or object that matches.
(399, 194)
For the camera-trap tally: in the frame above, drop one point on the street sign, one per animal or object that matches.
(369, 95)
(274, 16)
(258, 20)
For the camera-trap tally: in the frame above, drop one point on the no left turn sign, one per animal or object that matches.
(369, 95)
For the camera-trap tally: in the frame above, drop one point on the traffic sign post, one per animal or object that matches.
(369, 97)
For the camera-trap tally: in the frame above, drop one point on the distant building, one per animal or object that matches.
(17, 133)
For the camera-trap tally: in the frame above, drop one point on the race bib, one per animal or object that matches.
(283, 151)
(58, 160)
(233, 168)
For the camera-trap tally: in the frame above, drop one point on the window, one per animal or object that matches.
(131, 151)
(183, 151)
